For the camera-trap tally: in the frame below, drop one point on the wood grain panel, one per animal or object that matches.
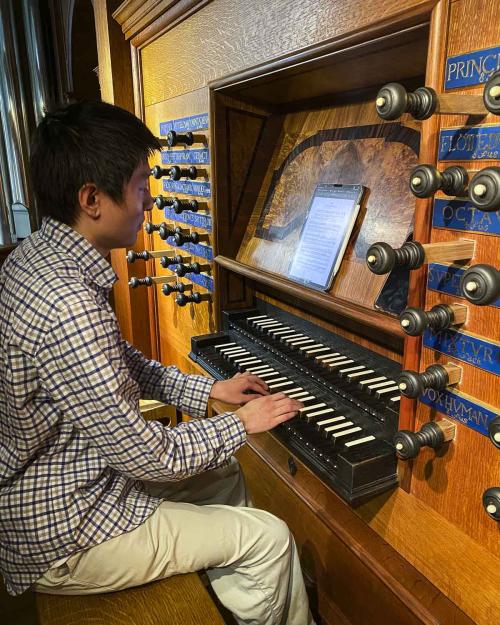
(175, 324)
(178, 600)
(337, 546)
(345, 144)
(196, 51)
(453, 480)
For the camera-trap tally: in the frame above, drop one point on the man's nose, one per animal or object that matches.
(148, 201)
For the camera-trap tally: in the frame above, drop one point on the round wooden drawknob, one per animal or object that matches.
(425, 180)
(491, 93)
(176, 173)
(494, 431)
(413, 384)
(382, 258)
(414, 321)
(484, 189)
(433, 434)
(491, 502)
(393, 100)
(480, 284)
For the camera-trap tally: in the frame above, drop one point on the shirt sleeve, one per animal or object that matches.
(82, 368)
(189, 393)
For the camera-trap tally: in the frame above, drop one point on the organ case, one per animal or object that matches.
(290, 102)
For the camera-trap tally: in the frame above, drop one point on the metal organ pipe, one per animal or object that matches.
(14, 139)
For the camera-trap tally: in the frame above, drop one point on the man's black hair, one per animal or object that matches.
(86, 142)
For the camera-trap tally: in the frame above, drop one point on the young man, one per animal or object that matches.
(92, 497)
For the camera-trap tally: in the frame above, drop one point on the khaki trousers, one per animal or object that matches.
(204, 522)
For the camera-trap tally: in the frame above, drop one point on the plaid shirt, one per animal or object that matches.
(73, 444)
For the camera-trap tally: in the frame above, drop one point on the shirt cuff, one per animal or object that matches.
(231, 430)
(195, 394)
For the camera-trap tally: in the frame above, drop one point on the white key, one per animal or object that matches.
(327, 361)
(395, 400)
(282, 379)
(288, 339)
(247, 361)
(230, 349)
(262, 322)
(340, 363)
(339, 426)
(360, 441)
(269, 376)
(282, 332)
(297, 395)
(224, 345)
(360, 374)
(320, 412)
(387, 390)
(312, 346)
(295, 389)
(243, 352)
(287, 383)
(351, 369)
(371, 380)
(308, 398)
(308, 408)
(336, 435)
(261, 369)
(373, 387)
(300, 342)
(256, 317)
(270, 324)
(325, 356)
(328, 421)
(317, 350)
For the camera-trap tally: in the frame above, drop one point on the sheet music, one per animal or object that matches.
(324, 235)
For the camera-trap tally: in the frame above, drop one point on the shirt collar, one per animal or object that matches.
(92, 265)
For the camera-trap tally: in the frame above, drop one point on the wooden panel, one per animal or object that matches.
(177, 324)
(337, 547)
(115, 79)
(195, 53)
(453, 481)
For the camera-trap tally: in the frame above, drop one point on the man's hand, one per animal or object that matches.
(233, 390)
(265, 413)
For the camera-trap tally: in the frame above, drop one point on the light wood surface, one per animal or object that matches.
(267, 32)
(178, 600)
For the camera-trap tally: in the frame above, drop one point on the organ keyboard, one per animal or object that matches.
(350, 394)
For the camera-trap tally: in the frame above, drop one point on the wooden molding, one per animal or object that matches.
(145, 19)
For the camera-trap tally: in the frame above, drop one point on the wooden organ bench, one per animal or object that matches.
(177, 600)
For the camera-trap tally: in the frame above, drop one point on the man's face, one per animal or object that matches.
(123, 220)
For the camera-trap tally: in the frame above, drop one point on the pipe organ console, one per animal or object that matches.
(382, 317)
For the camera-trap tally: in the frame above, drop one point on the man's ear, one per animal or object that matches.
(89, 200)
